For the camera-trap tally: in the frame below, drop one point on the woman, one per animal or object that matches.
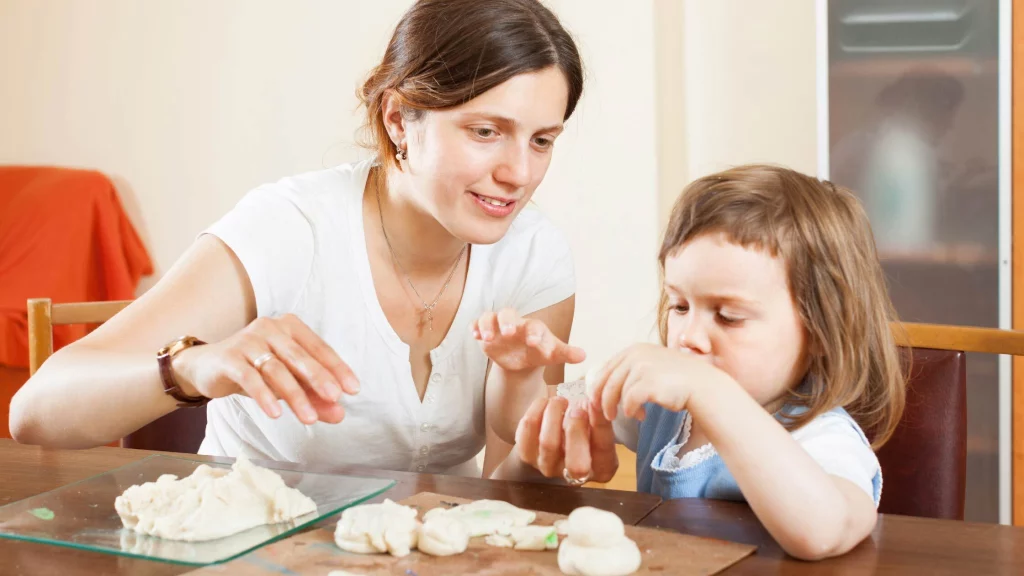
(349, 293)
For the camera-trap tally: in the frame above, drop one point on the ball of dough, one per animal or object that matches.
(619, 559)
(443, 536)
(596, 545)
(378, 528)
(589, 526)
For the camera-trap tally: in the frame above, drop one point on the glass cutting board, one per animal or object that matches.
(82, 515)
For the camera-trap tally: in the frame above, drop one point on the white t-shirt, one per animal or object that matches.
(302, 243)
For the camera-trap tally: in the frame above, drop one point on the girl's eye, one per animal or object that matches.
(729, 319)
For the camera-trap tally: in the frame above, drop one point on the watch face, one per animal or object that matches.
(176, 346)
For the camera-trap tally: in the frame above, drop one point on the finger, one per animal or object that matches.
(604, 459)
(567, 354)
(304, 367)
(475, 329)
(528, 432)
(242, 373)
(635, 393)
(488, 326)
(325, 355)
(601, 378)
(326, 411)
(612, 392)
(508, 321)
(286, 387)
(536, 331)
(577, 440)
(538, 336)
(551, 455)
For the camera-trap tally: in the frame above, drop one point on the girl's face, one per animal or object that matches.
(475, 166)
(731, 306)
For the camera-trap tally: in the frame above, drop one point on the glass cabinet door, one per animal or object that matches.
(913, 128)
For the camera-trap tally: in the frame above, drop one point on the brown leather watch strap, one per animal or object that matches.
(171, 388)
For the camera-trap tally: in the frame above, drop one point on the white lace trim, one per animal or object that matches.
(673, 461)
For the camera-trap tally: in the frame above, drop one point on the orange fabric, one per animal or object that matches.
(11, 379)
(63, 236)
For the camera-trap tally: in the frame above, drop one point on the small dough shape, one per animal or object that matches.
(211, 503)
(378, 528)
(500, 541)
(597, 545)
(562, 527)
(484, 517)
(533, 537)
(443, 535)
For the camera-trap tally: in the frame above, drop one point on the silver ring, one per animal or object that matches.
(262, 359)
(575, 481)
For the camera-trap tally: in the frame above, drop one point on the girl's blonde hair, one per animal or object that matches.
(822, 234)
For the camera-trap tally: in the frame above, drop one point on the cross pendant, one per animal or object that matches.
(430, 319)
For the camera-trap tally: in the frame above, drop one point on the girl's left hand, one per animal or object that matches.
(649, 373)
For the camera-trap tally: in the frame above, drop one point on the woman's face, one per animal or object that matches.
(475, 166)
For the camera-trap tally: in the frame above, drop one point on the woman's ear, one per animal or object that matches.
(394, 122)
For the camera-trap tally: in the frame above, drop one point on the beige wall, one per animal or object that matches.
(736, 86)
(188, 104)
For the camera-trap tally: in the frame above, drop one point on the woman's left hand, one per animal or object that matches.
(649, 373)
(516, 343)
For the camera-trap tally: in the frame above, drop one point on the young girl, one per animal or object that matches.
(777, 356)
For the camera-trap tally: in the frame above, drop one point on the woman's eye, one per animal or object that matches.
(484, 132)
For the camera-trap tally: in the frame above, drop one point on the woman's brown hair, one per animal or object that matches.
(822, 234)
(444, 53)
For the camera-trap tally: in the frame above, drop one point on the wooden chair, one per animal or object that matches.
(179, 431)
(924, 464)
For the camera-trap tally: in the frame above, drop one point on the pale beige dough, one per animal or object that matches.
(211, 503)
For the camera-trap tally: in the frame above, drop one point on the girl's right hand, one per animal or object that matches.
(557, 438)
(301, 369)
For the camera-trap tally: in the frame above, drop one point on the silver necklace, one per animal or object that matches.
(427, 308)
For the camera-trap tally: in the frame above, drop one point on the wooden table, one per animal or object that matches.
(900, 545)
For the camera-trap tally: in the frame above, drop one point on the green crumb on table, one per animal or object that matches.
(552, 539)
(42, 513)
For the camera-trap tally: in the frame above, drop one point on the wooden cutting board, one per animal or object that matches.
(314, 553)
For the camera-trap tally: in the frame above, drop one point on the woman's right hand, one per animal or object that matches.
(302, 369)
(557, 437)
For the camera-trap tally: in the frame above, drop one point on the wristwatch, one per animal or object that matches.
(171, 388)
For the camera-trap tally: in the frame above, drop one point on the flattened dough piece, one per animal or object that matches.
(484, 517)
(533, 537)
(211, 503)
(443, 535)
(377, 529)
